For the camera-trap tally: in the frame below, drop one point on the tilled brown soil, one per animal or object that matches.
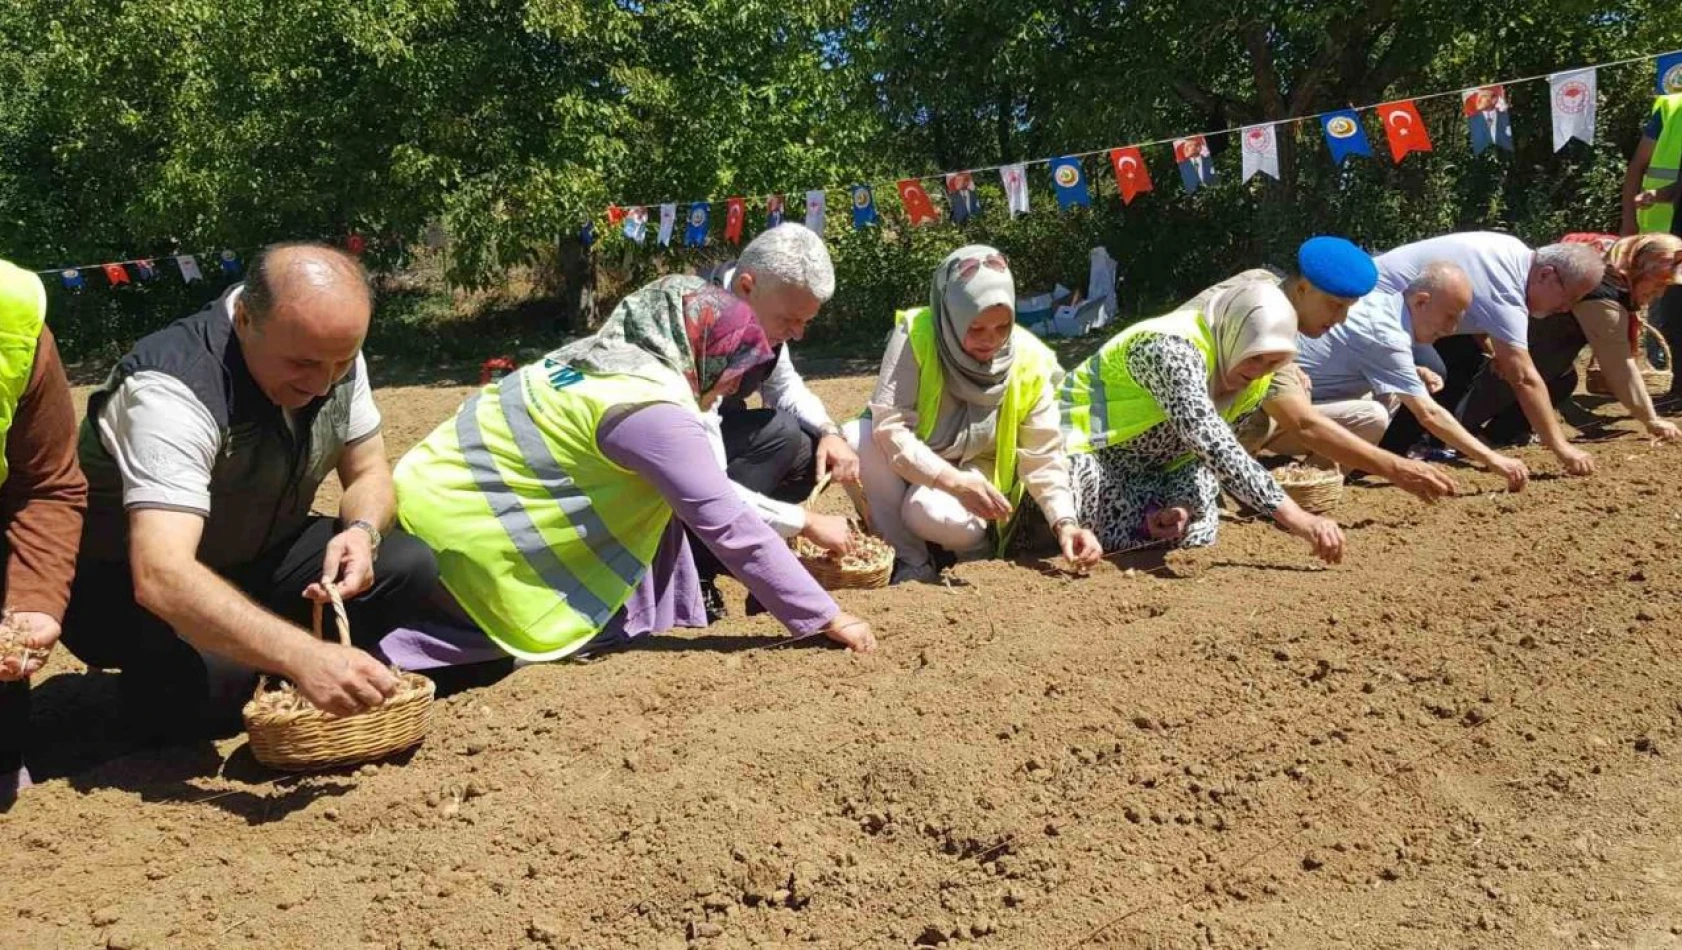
(1467, 735)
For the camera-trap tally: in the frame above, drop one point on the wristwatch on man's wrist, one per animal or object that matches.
(373, 532)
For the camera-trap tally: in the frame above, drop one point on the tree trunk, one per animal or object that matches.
(578, 286)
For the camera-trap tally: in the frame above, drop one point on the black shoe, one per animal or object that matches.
(713, 601)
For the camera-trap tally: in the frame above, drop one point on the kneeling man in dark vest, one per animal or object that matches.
(201, 556)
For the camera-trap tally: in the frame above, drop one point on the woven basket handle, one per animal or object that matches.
(818, 489)
(1664, 346)
(339, 618)
(855, 494)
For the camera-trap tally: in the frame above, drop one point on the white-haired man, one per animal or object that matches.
(779, 451)
(1510, 284)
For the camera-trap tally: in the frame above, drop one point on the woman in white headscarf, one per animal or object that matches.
(963, 423)
(1150, 421)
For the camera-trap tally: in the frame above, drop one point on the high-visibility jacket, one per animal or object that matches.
(1663, 169)
(1102, 405)
(23, 312)
(1032, 367)
(540, 537)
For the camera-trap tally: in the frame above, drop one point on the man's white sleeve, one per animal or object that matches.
(784, 390)
(364, 415)
(164, 442)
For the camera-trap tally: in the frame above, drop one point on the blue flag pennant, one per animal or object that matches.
(695, 233)
(587, 235)
(72, 278)
(230, 263)
(1070, 182)
(864, 206)
(1345, 135)
(1670, 73)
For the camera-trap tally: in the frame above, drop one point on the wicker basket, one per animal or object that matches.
(1317, 490)
(1655, 378)
(870, 568)
(287, 732)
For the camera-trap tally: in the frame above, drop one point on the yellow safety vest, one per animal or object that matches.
(23, 312)
(1032, 368)
(1662, 171)
(1103, 405)
(540, 537)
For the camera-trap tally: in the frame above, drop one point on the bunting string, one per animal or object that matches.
(890, 183)
(1572, 93)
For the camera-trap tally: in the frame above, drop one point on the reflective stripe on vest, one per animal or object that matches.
(1102, 405)
(23, 311)
(1033, 366)
(539, 536)
(1662, 170)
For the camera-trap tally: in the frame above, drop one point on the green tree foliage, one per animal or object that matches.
(142, 127)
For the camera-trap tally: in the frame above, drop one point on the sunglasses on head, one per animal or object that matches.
(969, 266)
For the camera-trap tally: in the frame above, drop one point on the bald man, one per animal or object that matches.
(203, 452)
(1363, 370)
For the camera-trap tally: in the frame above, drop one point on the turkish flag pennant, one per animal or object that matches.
(356, 244)
(1404, 129)
(116, 274)
(1131, 175)
(734, 212)
(918, 207)
(615, 214)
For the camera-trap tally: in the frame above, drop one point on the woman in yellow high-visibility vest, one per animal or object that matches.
(553, 498)
(1150, 418)
(963, 424)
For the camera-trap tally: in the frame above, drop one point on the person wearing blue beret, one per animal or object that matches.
(1330, 275)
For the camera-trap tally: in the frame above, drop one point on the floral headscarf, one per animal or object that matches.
(1633, 260)
(681, 323)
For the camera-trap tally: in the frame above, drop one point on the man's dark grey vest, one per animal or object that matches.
(265, 477)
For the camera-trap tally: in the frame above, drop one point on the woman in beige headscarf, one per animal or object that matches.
(963, 423)
(1150, 421)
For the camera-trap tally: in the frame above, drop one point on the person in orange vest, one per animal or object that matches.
(42, 497)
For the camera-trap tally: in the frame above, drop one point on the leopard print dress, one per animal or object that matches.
(1118, 486)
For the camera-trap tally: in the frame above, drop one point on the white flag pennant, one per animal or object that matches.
(814, 211)
(189, 268)
(1015, 178)
(1573, 96)
(1261, 151)
(668, 217)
